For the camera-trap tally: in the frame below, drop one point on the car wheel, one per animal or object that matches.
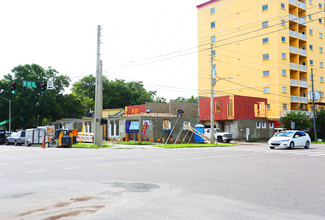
(271, 147)
(292, 145)
(7, 142)
(227, 141)
(16, 144)
(307, 145)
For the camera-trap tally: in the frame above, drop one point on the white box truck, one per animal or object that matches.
(37, 135)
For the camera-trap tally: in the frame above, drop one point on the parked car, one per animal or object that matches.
(219, 135)
(16, 138)
(290, 139)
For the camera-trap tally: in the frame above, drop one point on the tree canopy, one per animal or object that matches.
(302, 120)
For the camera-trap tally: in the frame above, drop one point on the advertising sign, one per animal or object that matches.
(132, 127)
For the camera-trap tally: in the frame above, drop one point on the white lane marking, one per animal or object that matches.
(132, 163)
(315, 155)
(197, 158)
(104, 165)
(156, 161)
(79, 159)
(177, 159)
(30, 162)
(99, 158)
(71, 168)
(36, 171)
(214, 156)
(56, 161)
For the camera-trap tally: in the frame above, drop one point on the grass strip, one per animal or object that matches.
(135, 143)
(194, 145)
(90, 146)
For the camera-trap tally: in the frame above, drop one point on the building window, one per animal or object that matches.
(321, 64)
(310, 31)
(268, 107)
(322, 108)
(263, 124)
(213, 24)
(320, 5)
(311, 47)
(258, 125)
(320, 20)
(265, 24)
(283, 6)
(320, 49)
(310, 16)
(284, 106)
(322, 79)
(213, 53)
(271, 124)
(212, 10)
(283, 56)
(284, 73)
(322, 94)
(266, 89)
(213, 39)
(311, 62)
(217, 106)
(311, 2)
(283, 22)
(265, 7)
(284, 89)
(266, 73)
(266, 56)
(320, 35)
(265, 40)
(283, 39)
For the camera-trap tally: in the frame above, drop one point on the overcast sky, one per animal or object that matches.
(142, 40)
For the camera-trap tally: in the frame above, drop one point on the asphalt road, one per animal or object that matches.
(242, 182)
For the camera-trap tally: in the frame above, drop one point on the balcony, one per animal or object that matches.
(293, 49)
(302, 21)
(303, 99)
(293, 17)
(293, 33)
(294, 98)
(302, 67)
(293, 2)
(302, 5)
(302, 36)
(283, 113)
(293, 82)
(303, 83)
(294, 66)
(302, 52)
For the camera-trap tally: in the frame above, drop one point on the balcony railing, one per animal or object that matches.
(303, 83)
(293, 49)
(294, 66)
(303, 99)
(294, 98)
(302, 67)
(302, 20)
(283, 113)
(293, 33)
(293, 17)
(293, 82)
(302, 36)
(293, 2)
(302, 52)
(302, 5)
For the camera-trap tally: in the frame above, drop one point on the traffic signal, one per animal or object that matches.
(43, 88)
(13, 88)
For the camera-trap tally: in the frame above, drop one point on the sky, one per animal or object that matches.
(150, 41)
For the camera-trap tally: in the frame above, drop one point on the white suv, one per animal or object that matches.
(219, 135)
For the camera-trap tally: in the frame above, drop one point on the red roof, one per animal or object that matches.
(207, 3)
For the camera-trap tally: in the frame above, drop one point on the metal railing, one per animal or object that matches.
(302, 67)
(294, 66)
(302, 20)
(293, 2)
(294, 98)
(293, 49)
(303, 99)
(302, 52)
(302, 36)
(303, 83)
(293, 33)
(293, 17)
(302, 5)
(293, 82)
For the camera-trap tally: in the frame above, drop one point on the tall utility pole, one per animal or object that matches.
(98, 95)
(212, 98)
(9, 114)
(313, 96)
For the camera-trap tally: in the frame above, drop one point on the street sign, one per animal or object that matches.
(293, 125)
(29, 84)
(50, 85)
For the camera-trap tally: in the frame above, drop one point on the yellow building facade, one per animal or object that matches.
(263, 49)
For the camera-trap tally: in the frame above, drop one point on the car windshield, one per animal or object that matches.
(14, 134)
(285, 134)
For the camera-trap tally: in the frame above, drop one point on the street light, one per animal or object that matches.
(9, 111)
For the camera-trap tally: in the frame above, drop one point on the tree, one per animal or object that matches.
(302, 120)
(320, 124)
(28, 103)
(183, 99)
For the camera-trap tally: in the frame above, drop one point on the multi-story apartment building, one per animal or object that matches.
(263, 49)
